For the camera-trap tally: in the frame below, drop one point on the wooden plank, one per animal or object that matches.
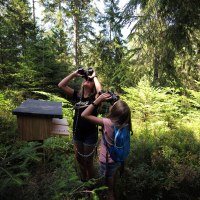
(33, 128)
(59, 121)
(58, 129)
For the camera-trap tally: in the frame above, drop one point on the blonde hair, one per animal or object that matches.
(120, 114)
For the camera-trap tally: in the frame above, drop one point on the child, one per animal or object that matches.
(120, 116)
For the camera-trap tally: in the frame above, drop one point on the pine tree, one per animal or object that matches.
(164, 40)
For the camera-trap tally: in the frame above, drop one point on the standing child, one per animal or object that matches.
(119, 116)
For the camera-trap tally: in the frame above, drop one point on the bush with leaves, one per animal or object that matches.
(15, 163)
(164, 159)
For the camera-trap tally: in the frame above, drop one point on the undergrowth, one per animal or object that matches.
(163, 163)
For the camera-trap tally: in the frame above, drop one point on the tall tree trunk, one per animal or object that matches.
(33, 3)
(110, 31)
(156, 72)
(76, 34)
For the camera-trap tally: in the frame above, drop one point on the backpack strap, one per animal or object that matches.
(107, 150)
(104, 139)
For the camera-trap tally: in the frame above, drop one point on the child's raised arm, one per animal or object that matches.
(87, 113)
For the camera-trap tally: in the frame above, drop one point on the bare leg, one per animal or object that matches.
(78, 147)
(89, 161)
(110, 183)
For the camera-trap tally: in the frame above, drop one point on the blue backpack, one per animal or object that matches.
(120, 148)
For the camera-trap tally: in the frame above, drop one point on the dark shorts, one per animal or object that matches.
(90, 139)
(112, 168)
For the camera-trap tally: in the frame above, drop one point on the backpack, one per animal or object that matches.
(120, 148)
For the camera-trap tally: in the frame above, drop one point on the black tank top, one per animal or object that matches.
(81, 125)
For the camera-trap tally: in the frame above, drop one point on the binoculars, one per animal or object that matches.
(114, 97)
(86, 73)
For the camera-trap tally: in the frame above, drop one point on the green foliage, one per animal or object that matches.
(164, 161)
(107, 59)
(160, 106)
(60, 178)
(163, 49)
(58, 144)
(14, 166)
(17, 34)
(164, 164)
(8, 101)
(164, 42)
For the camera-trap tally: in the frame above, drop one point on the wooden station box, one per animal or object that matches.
(39, 119)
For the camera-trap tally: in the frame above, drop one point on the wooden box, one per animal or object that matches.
(35, 117)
